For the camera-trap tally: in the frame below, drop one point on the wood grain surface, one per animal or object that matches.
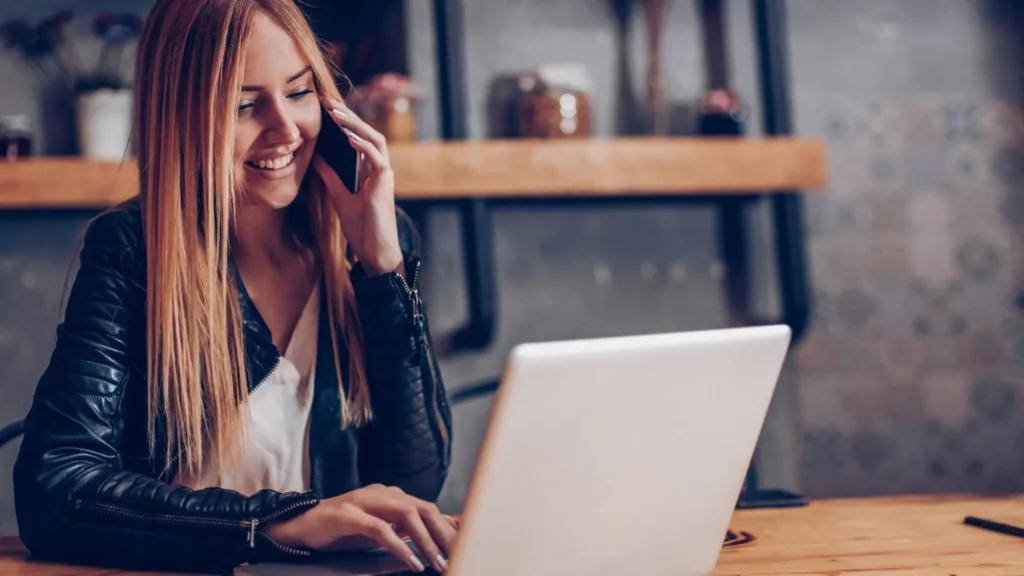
(493, 169)
(904, 536)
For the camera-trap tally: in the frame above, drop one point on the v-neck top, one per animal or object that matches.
(275, 452)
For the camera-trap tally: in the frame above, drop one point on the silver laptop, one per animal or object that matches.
(607, 457)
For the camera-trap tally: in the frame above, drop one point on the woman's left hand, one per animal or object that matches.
(368, 218)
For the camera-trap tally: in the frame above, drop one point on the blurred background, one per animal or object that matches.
(909, 376)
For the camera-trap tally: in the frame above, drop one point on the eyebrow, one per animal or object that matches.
(302, 73)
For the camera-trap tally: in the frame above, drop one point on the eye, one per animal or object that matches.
(246, 106)
(300, 94)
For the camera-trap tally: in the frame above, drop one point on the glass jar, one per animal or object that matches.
(15, 137)
(387, 102)
(555, 102)
(393, 117)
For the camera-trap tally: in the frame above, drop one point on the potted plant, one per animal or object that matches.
(103, 95)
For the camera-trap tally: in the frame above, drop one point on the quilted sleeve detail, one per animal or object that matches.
(408, 443)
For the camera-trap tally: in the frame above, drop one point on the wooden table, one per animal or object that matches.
(905, 536)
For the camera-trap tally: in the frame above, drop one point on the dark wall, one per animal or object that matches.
(369, 34)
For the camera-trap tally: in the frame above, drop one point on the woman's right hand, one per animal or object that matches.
(377, 513)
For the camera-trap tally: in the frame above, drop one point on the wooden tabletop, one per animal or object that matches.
(905, 536)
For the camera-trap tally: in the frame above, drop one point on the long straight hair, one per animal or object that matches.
(188, 74)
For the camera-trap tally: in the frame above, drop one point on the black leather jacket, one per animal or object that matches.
(88, 491)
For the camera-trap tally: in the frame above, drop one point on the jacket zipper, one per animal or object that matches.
(255, 522)
(417, 315)
(249, 526)
(277, 362)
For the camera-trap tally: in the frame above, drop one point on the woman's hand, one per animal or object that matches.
(375, 513)
(368, 218)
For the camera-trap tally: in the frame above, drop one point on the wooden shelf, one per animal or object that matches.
(495, 168)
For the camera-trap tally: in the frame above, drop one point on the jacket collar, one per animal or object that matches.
(261, 355)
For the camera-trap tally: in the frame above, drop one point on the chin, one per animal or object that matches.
(275, 197)
(273, 188)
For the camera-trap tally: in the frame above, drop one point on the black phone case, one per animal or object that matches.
(334, 147)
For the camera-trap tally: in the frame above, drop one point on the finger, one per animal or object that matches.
(408, 518)
(332, 103)
(356, 543)
(342, 113)
(374, 158)
(440, 529)
(346, 118)
(381, 531)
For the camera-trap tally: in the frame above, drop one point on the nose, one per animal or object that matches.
(280, 128)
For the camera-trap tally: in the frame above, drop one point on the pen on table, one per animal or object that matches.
(994, 526)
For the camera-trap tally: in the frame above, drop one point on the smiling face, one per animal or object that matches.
(278, 118)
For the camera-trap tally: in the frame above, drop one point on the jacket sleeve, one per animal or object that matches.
(75, 502)
(408, 442)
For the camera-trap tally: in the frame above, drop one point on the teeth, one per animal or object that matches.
(274, 163)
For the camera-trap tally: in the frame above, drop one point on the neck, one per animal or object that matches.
(262, 235)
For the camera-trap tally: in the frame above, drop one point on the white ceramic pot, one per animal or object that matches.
(105, 124)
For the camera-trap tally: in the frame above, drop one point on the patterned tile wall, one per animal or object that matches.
(911, 379)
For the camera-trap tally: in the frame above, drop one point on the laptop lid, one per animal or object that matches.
(619, 455)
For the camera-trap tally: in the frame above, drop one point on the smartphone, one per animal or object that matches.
(334, 147)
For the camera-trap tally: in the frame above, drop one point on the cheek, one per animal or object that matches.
(245, 135)
(309, 125)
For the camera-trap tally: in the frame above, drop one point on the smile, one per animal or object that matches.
(272, 164)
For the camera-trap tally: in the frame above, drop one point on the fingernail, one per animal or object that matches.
(353, 135)
(416, 564)
(442, 564)
(339, 113)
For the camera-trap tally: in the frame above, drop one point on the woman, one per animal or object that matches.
(228, 385)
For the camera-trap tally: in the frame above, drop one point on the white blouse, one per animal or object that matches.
(275, 453)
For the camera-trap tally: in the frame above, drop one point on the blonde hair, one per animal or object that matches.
(188, 71)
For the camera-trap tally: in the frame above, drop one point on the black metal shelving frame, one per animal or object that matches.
(769, 22)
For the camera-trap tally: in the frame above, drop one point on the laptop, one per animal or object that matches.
(606, 457)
